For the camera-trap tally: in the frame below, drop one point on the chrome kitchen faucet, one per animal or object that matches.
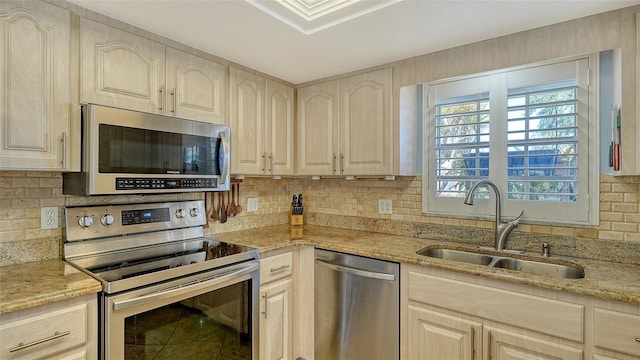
(502, 229)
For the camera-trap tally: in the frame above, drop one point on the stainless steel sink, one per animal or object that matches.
(503, 261)
(540, 268)
(456, 255)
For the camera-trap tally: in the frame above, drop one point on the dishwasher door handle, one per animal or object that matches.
(353, 271)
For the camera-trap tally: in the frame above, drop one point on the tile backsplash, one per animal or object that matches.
(22, 194)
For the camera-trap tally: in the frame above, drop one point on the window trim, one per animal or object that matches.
(587, 207)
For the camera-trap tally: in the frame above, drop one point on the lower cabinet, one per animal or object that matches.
(447, 315)
(450, 318)
(434, 335)
(276, 307)
(62, 330)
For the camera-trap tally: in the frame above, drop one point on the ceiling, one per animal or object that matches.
(257, 33)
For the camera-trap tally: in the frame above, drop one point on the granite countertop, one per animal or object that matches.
(603, 279)
(28, 285)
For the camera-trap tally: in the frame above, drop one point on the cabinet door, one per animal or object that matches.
(196, 87)
(366, 132)
(276, 320)
(247, 123)
(434, 335)
(504, 345)
(34, 86)
(121, 69)
(279, 129)
(317, 130)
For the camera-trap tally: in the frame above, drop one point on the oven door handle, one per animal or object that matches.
(186, 287)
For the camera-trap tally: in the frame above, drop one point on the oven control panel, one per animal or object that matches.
(89, 222)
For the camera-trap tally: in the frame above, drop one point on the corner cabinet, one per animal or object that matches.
(63, 330)
(276, 307)
(345, 126)
(262, 119)
(127, 71)
(35, 87)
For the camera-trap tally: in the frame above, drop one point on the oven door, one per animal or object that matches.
(211, 315)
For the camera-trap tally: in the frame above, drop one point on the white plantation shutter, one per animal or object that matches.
(527, 129)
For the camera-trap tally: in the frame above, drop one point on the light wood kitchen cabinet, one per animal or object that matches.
(276, 307)
(616, 333)
(127, 71)
(196, 87)
(458, 318)
(262, 125)
(62, 330)
(435, 335)
(35, 87)
(345, 126)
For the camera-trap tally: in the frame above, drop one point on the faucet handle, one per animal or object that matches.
(517, 220)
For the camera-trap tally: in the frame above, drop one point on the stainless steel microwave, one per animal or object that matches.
(129, 152)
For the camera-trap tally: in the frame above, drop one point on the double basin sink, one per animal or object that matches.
(559, 269)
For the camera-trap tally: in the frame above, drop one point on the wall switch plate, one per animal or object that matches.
(252, 204)
(385, 206)
(49, 217)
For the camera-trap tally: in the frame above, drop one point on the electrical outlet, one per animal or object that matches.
(252, 204)
(49, 217)
(385, 206)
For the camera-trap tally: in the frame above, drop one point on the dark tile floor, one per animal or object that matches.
(181, 332)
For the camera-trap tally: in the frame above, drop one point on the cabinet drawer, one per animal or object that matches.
(276, 267)
(616, 331)
(43, 334)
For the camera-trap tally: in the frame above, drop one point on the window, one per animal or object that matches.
(528, 130)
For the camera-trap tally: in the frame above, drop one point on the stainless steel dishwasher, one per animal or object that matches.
(357, 307)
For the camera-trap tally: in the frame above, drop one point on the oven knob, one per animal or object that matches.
(85, 221)
(180, 213)
(107, 220)
(194, 212)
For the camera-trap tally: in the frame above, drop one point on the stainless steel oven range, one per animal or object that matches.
(168, 291)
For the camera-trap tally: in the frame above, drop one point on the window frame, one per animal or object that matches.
(583, 212)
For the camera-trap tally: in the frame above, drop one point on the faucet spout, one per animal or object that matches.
(502, 230)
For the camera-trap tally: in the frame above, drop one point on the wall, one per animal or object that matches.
(342, 203)
(345, 203)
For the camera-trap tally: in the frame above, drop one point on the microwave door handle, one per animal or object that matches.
(226, 163)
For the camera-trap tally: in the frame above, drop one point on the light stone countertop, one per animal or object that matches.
(33, 284)
(28, 285)
(603, 279)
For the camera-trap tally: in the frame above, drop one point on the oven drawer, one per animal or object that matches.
(43, 333)
(276, 267)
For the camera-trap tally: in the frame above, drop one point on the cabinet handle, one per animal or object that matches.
(173, 101)
(64, 150)
(638, 339)
(271, 161)
(22, 346)
(278, 269)
(341, 163)
(161, 98)
(334, 163)
(264, 162)
(265, 305)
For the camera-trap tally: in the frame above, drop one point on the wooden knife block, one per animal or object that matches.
(296, 220)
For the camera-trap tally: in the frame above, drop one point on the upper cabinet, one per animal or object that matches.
(127, 71)
(34, 86)
(345, 126)
(261, 114)
(196, 87)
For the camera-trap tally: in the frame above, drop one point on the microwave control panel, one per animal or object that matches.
(164, 183)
